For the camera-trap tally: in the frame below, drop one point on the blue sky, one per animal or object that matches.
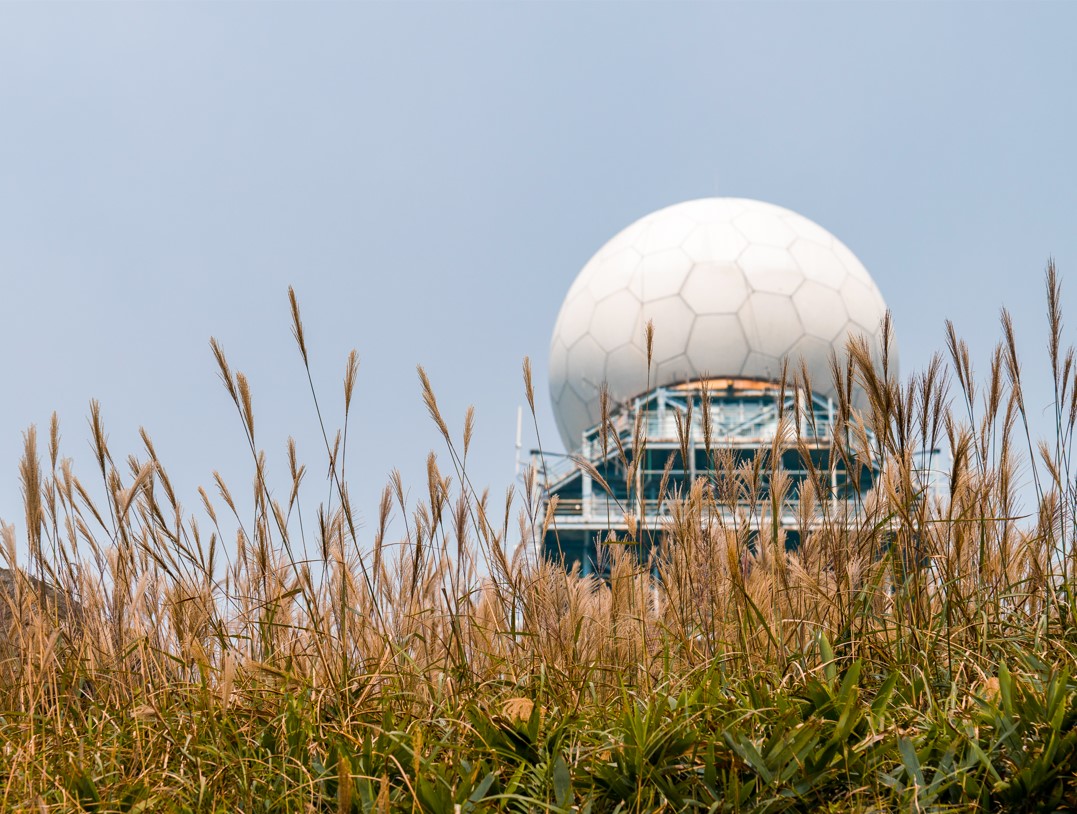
(431, 178)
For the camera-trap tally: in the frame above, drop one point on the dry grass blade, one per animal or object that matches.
(246, 406)
(649, 342)
(431, 403)
(31, 482)
(222, 367)
(469, 427)
(297, 325)
(529, 388)
(351, 371)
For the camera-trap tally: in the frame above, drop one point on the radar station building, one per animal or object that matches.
(735, 289)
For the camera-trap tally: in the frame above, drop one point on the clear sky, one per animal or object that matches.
(431, 178)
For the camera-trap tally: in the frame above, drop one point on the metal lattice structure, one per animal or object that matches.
(723, 425)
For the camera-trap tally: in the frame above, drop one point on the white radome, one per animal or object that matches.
(733, 287)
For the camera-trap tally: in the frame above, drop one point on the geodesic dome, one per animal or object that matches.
(733, 287)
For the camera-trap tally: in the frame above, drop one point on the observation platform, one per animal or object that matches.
(631, 470)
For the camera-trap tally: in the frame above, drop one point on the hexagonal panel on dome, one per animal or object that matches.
(769, 269)
(771, 323)
(660, 274)
(850, 261)
(675, 370)
(665, 230)
(818, 263)
(573, 417)
(611, 274)
(816, 354)
(807, 229)
(850, 329)
(626, 371)
(672, 323)
(862, 303)
(715, 289)
(764, 228)
(575, 318)
(716, 346)
(761, 366)
(714, 243)
(559, 391)
(558, 369)
(586, 366)
(615, 320)
(821, 309)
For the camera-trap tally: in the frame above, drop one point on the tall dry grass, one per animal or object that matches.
(135, 629)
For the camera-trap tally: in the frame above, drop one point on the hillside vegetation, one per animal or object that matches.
(269, 655)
